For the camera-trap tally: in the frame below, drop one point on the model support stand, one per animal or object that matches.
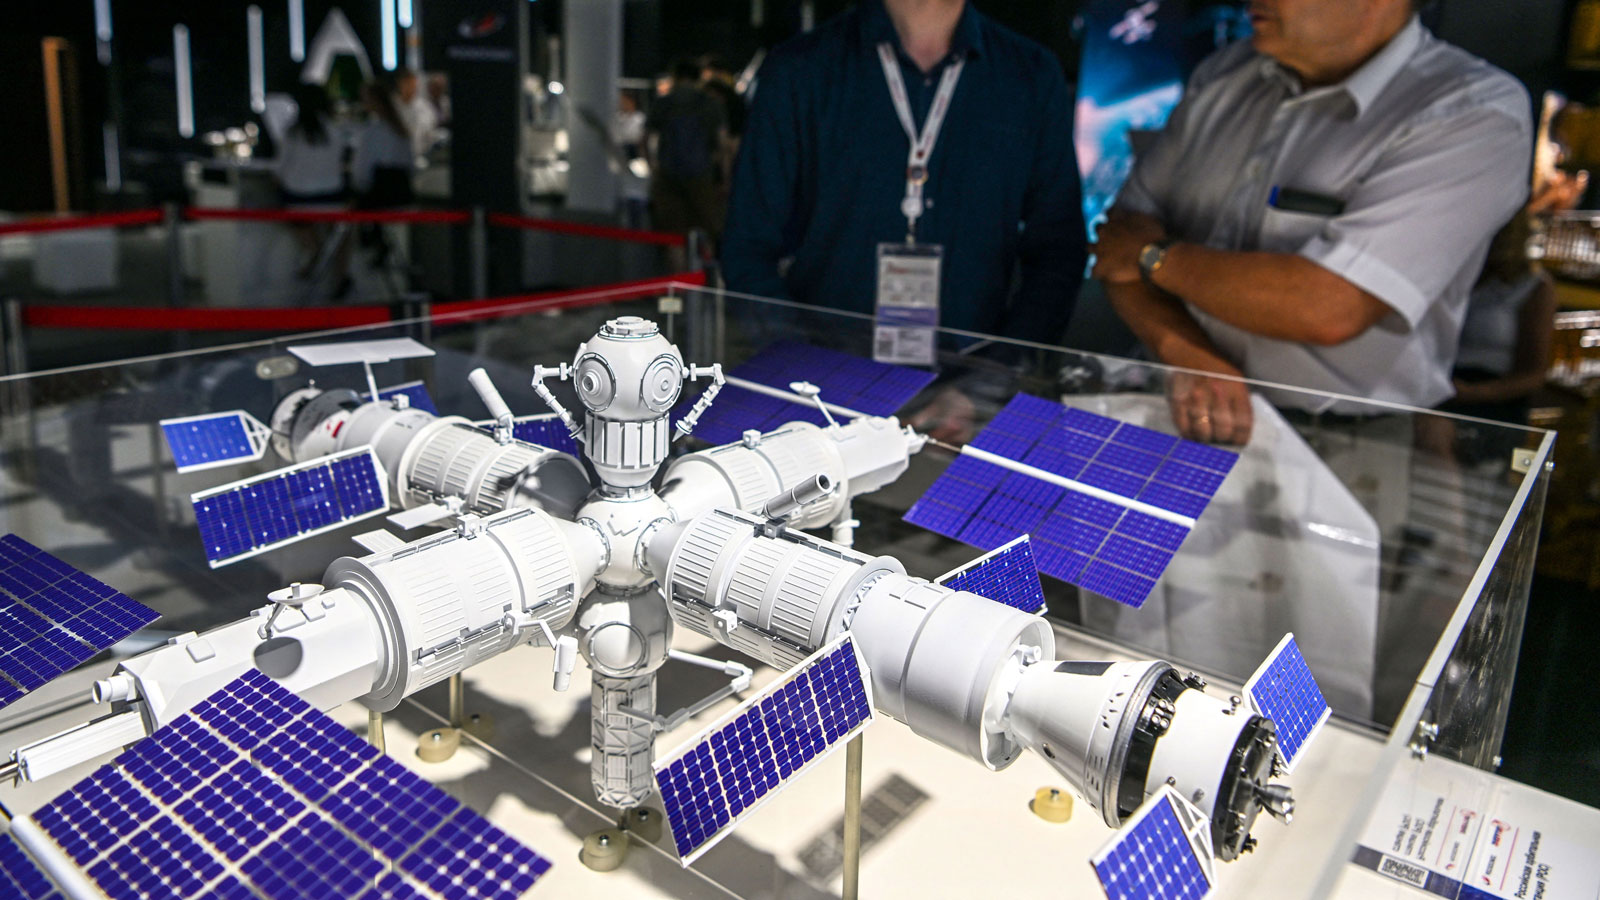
(375, 729)
(441, 743)
(844, 530)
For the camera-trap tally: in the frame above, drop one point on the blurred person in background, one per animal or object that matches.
(416, 111)
(628, 137)
(439, 96)
(380, 171)
(310, 169)
(686, 129)
(719, 81)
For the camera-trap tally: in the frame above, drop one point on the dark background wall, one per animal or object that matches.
(1522, 36)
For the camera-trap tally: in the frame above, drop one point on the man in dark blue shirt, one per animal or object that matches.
(822, 172)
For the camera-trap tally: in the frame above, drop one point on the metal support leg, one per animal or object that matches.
(458, 701)
(852, 819)
(375, 729)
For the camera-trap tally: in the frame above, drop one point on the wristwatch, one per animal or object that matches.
(1152, 257)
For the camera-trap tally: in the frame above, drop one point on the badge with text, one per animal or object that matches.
(908, 304)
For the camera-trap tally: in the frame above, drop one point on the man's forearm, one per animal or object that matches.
(1276, 295)
(1166, 328)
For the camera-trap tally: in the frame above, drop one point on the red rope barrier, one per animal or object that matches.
(144, 318)
(410, 216)
(74, 222)
(631, 235)
(497, 307)
(318, 318)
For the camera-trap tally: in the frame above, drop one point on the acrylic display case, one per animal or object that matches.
(1397, 545)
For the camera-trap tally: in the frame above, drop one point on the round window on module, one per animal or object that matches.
(663, 381)
(597, 387)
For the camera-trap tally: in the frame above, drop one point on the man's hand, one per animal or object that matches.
(947, 418)
(1215, 410)
(1118, 242)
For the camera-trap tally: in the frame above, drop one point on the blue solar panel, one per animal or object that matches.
(53, 617)
(1009, 576)
(203, 442)
(1285, 691)
(416, 394)
(19, 877)
(772, 738)
(1152, 857)
(253, 793)
(873, 388)
(1087, 541)
(242, 519)
(545, 431)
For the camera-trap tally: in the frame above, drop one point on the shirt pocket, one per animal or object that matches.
(1287, 231)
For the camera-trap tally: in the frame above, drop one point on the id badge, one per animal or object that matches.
(908, 304)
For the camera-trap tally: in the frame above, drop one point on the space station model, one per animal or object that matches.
(605, 548)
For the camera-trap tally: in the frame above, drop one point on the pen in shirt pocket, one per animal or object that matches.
(1293, 200)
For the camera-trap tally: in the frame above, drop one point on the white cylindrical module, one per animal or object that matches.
(622, 745)
(453, 458)
(783, 596)
(329, 651)
(450, 601)
(429, 457)
(860, 458)
(944, 662)
(626, 454)
(1195, 751)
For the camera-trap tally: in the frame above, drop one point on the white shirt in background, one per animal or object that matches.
(1425, 145)
(421, 120)
(309, 169)
(378, 147)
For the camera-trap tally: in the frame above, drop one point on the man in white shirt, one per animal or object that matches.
(1316, 211)
(416, 111)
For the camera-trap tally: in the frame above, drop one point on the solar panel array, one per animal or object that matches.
(219, 439)
(1285, 691)
(19, 877)
(1088, 541)
(416, 394)
(1008, 575)
(1152, 858)
(873, 388)
(254, 793)
(248, 517)
(740, 761)
(546, 431)
(53, 617)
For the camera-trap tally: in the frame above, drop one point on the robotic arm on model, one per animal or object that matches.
(539, 555)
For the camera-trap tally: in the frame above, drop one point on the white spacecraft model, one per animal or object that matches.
(717, 543)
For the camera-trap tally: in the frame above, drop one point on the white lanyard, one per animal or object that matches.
(921, 146)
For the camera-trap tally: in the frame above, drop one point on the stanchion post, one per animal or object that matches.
(479, 252)
(15, 357)
(175, 282)
(694, 247)
(851, 888)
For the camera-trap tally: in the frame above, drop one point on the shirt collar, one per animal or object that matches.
(1364, 84)
(876, 27)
